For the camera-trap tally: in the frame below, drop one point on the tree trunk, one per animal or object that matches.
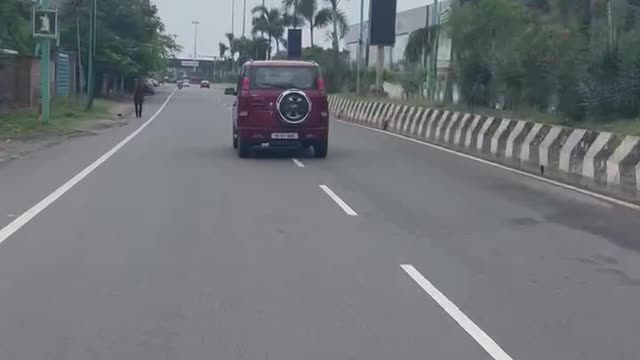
(311, 32)
(336, 44)
(79, 56)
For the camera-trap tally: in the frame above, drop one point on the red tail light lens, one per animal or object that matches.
(321, 84)
(246, 86)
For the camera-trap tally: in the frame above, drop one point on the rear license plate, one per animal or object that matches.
(284, 136)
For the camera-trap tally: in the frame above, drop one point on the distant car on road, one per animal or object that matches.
(282, 104)
(186, 83)
(205, 84)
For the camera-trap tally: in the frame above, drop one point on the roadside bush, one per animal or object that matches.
(515, 55)
(335, 67)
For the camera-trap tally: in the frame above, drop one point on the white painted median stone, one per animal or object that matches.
(543, 151)
(526, 144)
(463, 122)
(613, 163)
(565, 154)
(588, 168)
(517, 130)
(495, 139)
(482, 132)
(474, 124)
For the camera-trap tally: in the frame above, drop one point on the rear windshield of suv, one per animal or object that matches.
(285, 77)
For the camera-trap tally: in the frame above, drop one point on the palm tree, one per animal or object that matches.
(315, 17)
(292, 16)
(223, 49)
(233, 49)
(339, 22)
(268, 21)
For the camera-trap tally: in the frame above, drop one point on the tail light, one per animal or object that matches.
(321, 86)
(246, 85)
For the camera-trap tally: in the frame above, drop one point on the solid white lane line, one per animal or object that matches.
(298, 163)
(28, 215)
(515, 171)
(347, 209)
(490, 346)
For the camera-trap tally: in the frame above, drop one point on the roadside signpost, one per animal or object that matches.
(45, 28)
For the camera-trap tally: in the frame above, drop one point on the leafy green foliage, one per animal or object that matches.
(269, 22)
(339, 23)
(15, 26)
(130, 36)
(420, 43)
(554, 55)
(335, 67)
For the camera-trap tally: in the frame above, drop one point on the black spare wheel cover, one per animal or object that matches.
(293, 106)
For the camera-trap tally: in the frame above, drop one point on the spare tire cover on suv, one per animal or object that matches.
(293, 106)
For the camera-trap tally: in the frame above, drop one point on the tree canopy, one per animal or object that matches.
(130, 36)
(15, 26)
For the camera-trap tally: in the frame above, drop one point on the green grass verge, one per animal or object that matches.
(66, 115)
(620, 126)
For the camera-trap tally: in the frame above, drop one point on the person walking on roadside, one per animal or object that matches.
(138, 97)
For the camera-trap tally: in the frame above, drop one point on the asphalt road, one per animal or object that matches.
(173, 248)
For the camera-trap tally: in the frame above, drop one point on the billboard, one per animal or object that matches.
(382, 31)
(294, 44)
(189, 63)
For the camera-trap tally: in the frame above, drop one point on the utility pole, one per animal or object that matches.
(195, 46)
(433, 79)
(360, 47)
(233, 16)
(45, 59)
(295, 14)
(92, 53)
(612, 36)
(244, 19)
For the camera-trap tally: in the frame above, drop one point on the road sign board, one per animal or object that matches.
(45, 23)
(190, 63)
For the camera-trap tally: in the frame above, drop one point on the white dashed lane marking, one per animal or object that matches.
(298, 163)
(346, 208)
(490, 346)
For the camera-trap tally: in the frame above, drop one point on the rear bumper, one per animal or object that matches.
(306, 136)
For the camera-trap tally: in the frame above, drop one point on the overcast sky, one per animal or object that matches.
(215, 20)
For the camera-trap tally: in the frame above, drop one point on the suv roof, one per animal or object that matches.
(283, 63)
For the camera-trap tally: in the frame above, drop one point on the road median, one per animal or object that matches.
(600, 161)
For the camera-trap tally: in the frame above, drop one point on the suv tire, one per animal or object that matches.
(244, 149)
(320, 149)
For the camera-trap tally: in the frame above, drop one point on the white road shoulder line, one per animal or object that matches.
(298, 163)
(347, 209)
(28, 215)
(490, 346)
(519, 172)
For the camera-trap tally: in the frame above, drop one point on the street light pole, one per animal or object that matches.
(45, 59)
(233, 16)
(195, 46)
(244, 18)
(91, 52)
(433, 79)
(360, 49)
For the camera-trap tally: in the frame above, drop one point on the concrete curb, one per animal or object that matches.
(599, 161)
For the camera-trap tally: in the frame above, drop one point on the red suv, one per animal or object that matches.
(280, 104)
